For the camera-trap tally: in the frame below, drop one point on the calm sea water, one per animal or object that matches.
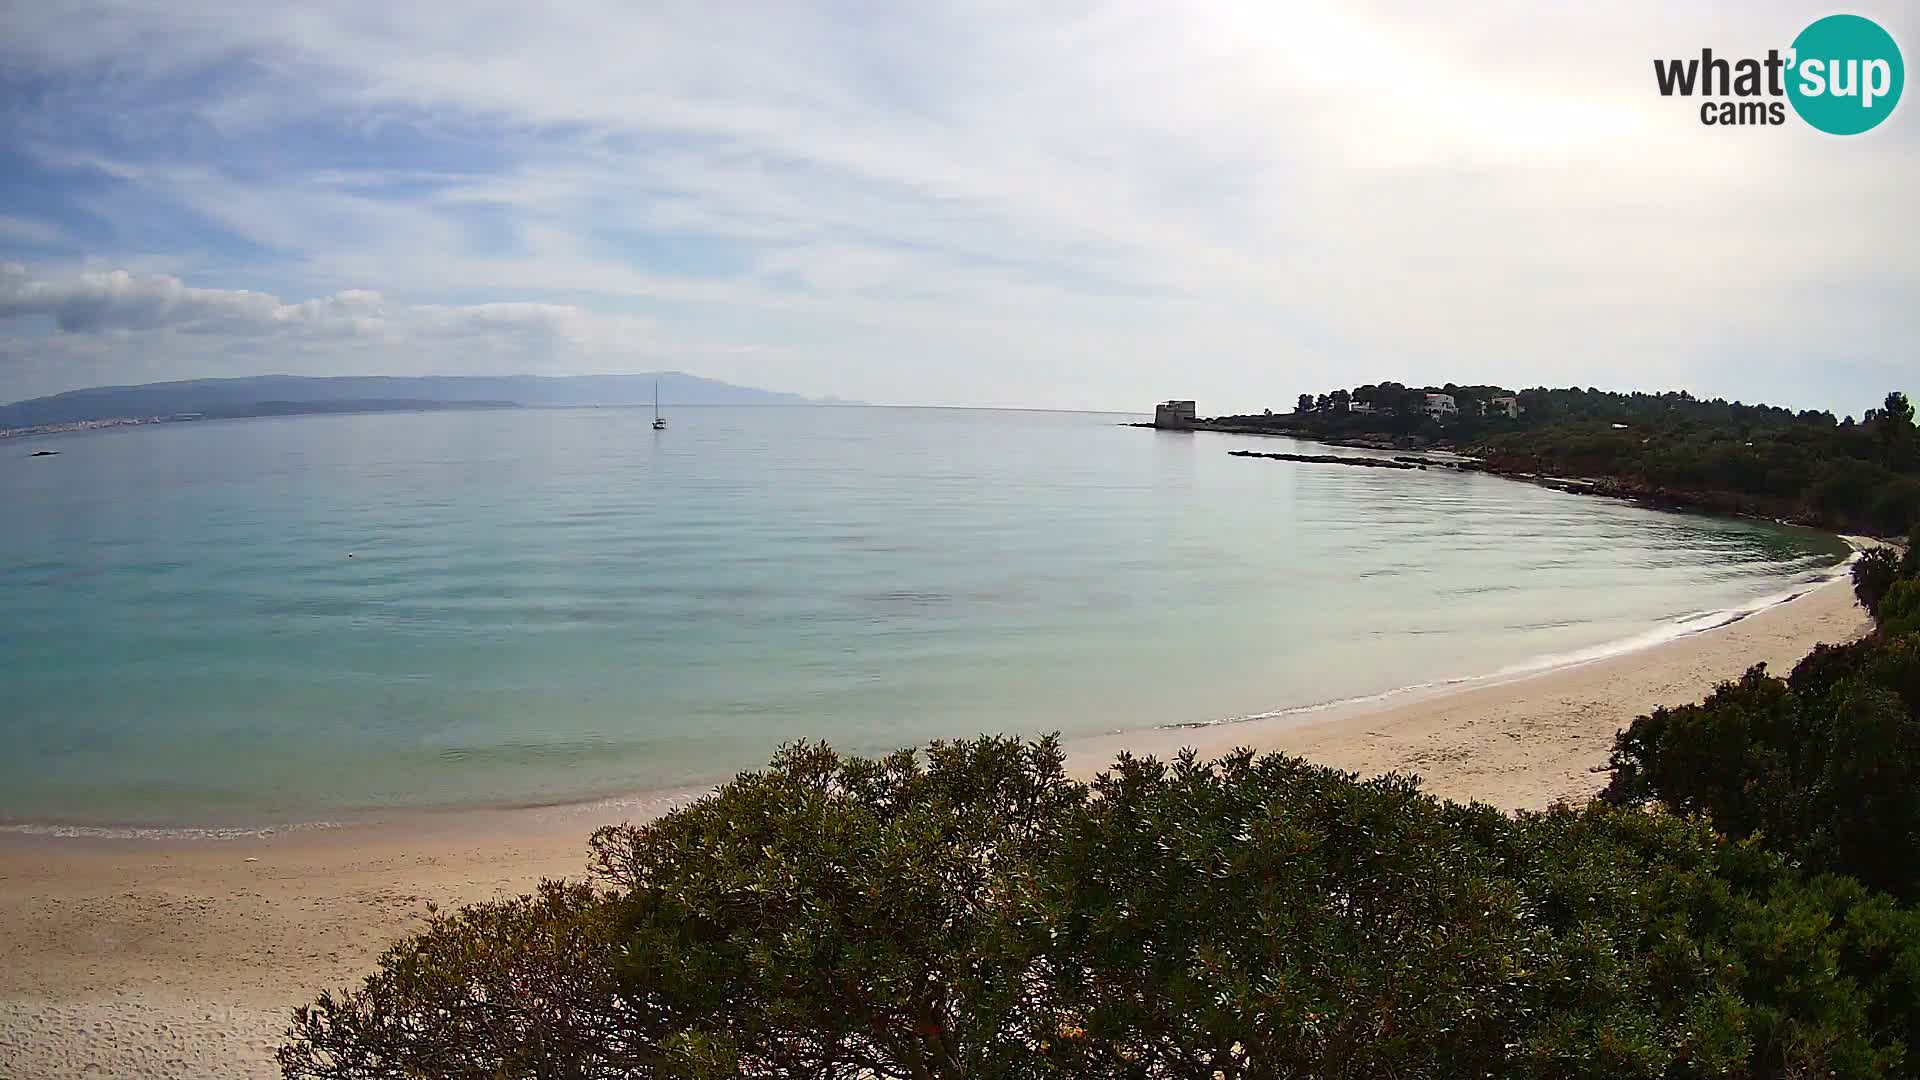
(282, 620)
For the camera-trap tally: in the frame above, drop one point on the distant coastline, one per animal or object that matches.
(1669, 450)
(258, 409)
(1653, 497)
(290, 395)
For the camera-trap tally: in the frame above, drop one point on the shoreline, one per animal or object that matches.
(1661, 634)
(164, 958)
(1523, 740)
(647, 801)
(1711, 501)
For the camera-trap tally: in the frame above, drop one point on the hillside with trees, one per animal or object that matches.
(276, 395)
(1809, 466)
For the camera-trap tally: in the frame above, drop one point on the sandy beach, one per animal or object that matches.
(175, 958)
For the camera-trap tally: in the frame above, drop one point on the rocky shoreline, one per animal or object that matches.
(1356, 442)
(1330, 459)
(1652, 496)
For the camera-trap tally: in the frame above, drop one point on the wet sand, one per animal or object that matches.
(128, 958)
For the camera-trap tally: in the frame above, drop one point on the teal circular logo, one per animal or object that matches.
(1846, 74)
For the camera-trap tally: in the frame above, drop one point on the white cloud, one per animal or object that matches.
(118, 300)
(98, 301)
(99, 317)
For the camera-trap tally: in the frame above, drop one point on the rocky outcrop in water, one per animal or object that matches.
(1330, 459)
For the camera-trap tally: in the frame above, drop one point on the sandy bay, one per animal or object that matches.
(166, 958)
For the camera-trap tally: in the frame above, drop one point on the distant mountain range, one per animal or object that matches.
(274, 395)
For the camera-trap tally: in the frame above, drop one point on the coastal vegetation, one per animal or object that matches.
(1809, 466)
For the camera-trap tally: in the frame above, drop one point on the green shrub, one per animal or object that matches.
(1900, 608)
(1867, 800)
(1740, 757)
(1826, 666)
(517, 988)
(1874, 573)
(1824, 765)
(973, 912)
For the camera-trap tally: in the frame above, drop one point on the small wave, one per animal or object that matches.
(155, 832)
(1323, 706)
(1685, 626)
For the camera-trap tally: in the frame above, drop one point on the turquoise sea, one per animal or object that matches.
(314, 618)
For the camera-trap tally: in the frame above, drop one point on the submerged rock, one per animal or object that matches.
(1330, 459)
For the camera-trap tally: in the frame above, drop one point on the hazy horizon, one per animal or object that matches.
(1144, 409)
(950, 204)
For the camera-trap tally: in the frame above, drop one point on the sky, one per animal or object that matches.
(1061, 204)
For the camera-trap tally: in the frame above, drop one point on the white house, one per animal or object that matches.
(1439, 405)
(1173, 414)
(1508, 406)
(1360, 406)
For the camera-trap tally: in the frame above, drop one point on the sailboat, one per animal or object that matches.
(659, 422)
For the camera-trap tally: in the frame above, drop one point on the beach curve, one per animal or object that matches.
(164, 958)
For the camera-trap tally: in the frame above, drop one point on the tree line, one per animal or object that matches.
(1809, 466)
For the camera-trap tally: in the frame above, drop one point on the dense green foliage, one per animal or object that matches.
(1860, 477)
(1807, 466)
(971, 911)
(1825, 765)
(1900, 611)
(518, 988)
(1875, 573)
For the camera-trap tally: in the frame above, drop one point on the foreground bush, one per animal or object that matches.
(523, 987)
(973, 912)
(1875, 571)
(1825, 765)
(1900, 610)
